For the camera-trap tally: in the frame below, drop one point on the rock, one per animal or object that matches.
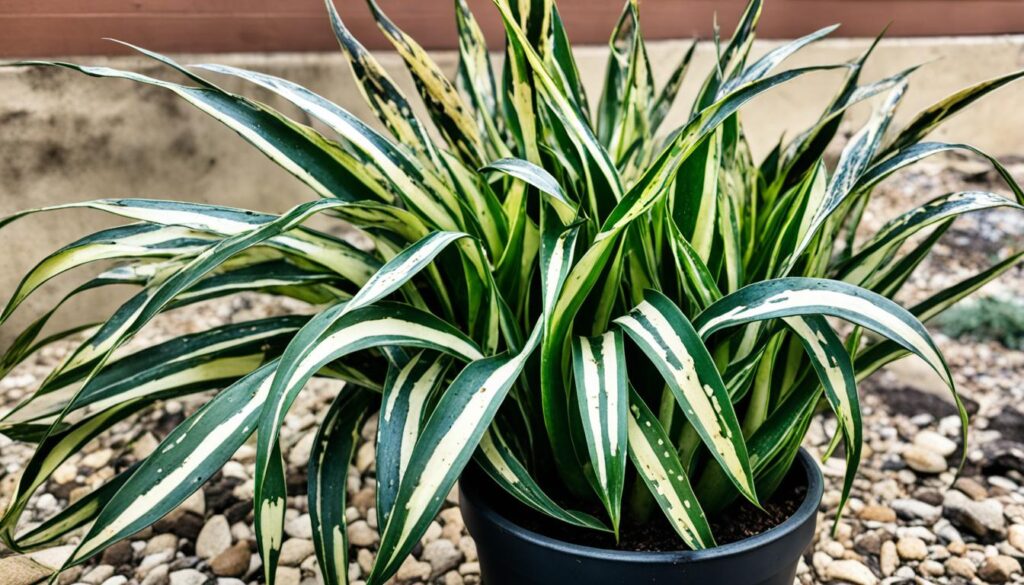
(960, 567)
(299, 527)
(183, 524)
(468, 547)
(911, 548)
(144, 446)
(288, 576)
(52, 558)
(365, 559)
(360, 534)
(1015, 536)
(20, 570)
(915, 510)
(294, 551)
(934, 442)
(453, 578)
(158, 575)
(442, 556)
(1000, 456)
(888, 558)
(983, 519)
(116, 580)
(971, 487)
(299, 454)
(232, 562)
(214, 538)
(119, 553)
(187, 577)
(878, 514)
(924, 461)
(365, 457)
(97, 459)
(98, 574)
(999, 569)
(469, 569)
(161, 543)
(850, 571)
(153, 560)
(412, 569)
(196, 503)
(932, 568)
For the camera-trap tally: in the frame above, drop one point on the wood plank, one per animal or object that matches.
(66, 27)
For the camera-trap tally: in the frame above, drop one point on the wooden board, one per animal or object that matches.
(44, 28)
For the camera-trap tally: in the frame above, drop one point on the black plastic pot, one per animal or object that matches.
(512, 555)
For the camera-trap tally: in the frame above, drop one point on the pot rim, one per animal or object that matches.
(807, 508)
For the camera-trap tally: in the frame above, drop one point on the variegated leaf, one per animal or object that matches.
(599, 366)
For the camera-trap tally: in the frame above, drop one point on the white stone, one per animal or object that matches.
(187, 577)
(214, 538)
(850, 571)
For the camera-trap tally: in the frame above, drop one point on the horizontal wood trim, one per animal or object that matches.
(68, 27)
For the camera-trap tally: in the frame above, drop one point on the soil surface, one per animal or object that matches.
(655, 534)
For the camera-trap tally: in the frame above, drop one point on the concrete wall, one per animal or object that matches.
(66, 137)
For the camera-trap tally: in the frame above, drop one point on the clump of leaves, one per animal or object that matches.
(528, 271)
(998, 319)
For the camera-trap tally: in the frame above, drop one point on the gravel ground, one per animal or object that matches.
(903, 523)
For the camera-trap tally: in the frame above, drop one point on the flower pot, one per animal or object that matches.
(512, 555)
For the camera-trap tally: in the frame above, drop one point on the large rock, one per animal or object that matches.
(999, 569)
(910, 509)
(233, 562)
(214, 538)
(850, 571)
(984, 519)
(22, 571)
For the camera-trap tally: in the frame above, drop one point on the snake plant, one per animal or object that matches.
(535, 253)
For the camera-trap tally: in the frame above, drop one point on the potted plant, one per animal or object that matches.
(624, 327)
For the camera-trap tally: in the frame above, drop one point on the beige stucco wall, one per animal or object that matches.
(66, 137)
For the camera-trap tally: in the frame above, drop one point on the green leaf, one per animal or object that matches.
(599, 365)
(407, 391)
(937, 113)
(189, 456)
(657, 463)
(333, 446)
(445, 445)
(497, 459)
(380, 91)
(668, 339)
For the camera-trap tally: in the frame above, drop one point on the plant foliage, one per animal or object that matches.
(529, 268)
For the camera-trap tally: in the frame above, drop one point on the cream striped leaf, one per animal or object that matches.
(657, 463)
(189, 455)
(396, 172)
(333, 447)
(323, 340)
(668, 339)
(336, 254)
(599, 367)
(536, 176)
(404, 409)
(937, 113)
(497, 459)
(380, 91)
(864, 267)
(787, 297)
(450, 113)
(131, 241)
(831, 361)
(446, 443)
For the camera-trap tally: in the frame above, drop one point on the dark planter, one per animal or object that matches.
(512, 555)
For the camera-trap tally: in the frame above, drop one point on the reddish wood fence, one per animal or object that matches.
(37, 28)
